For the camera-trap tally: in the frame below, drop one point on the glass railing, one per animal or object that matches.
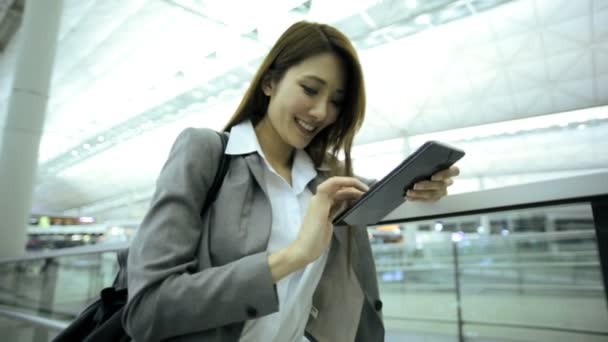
(533, 273)
(41, 293)
(535, 284)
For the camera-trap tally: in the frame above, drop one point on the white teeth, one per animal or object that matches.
(306, 126)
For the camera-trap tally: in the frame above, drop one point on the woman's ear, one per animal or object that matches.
(268, 86)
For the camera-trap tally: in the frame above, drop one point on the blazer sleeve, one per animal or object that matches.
(167, 295)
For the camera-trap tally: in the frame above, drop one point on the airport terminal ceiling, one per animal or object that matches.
(130, 75)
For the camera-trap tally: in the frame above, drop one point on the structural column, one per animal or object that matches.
(25, 121)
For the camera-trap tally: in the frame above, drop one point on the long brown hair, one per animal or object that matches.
(299, 42)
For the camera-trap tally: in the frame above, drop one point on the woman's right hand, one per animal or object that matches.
(317, 228)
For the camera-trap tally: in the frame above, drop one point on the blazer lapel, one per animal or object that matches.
(257, 221)
(254, 162)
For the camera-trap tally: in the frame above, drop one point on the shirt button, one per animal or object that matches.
(251, 312)
(378, 305)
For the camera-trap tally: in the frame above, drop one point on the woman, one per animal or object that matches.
(265, 263)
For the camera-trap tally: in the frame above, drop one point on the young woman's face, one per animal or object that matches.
(307, 99)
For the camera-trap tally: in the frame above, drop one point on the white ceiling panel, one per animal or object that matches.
(599, 4)
(482, 58)
(512, 47)
(551, 11)
(602, 88)
(531, 49)
(573, 65)
(600, 60)
(599, 19)
(542, 104)
(498, 108)
(120, 62)
(526, 98)
(581, 89)
(515, 19)
(527, 75)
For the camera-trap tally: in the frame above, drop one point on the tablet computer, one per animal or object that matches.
(388, 193)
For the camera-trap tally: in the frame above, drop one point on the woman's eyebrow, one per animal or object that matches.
(322, 81)
(316, 78)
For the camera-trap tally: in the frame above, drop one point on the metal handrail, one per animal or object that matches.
(71, 251)
(545, 236)
(486, 286)
(49, 323)
(495, 256)
(500, 324)
(576, 189)
(399, 267)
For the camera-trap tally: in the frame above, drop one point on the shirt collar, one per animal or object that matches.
(303, 170)
(243, 140)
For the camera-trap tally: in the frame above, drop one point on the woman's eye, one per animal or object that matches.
(310, 91)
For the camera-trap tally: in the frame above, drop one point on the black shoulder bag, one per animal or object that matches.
(101, 321)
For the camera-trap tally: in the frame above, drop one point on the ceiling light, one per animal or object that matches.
(575, 118)
(411, 4)
(86, 219)
(101, 138)
(86, 146)
(458, 236)
(75, 153)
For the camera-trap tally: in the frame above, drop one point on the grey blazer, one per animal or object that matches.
(200, 279)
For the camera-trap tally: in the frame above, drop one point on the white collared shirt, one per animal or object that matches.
(289, 204)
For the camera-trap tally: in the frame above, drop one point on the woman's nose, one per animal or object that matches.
(320, 110)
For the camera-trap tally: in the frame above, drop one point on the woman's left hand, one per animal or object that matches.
(432, 190)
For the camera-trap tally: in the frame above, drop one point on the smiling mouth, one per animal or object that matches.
(305, 127)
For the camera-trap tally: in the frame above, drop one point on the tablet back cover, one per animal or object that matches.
(389, 193)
